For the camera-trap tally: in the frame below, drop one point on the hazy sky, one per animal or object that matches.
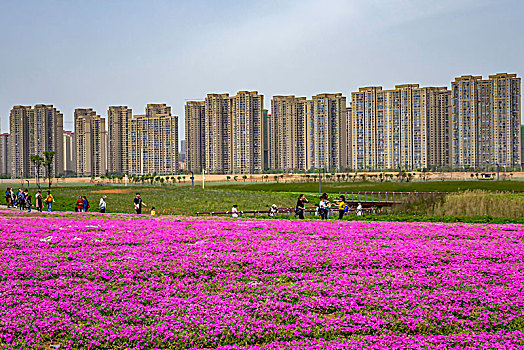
(100, 53)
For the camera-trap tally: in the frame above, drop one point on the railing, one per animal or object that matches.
(388, 197)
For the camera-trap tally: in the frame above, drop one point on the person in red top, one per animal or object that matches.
(80, 204)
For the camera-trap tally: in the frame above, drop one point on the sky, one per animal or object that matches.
(95, 54)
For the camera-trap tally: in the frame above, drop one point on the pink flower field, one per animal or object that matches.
(178, 283)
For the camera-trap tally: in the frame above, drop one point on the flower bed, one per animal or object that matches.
(195, 283)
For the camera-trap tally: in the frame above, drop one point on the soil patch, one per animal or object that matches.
(114, 190)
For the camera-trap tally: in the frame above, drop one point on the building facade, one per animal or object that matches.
(154, 141)
(118, 119)
(217, 134)
(486, 121)
(69, 153)
(326, 132)
(402, 128)
(46, 135)
(246, 132)
(90, 139)
(4, 154)
(289, 128)
(224, 133)
(19, 151)
(195, 135)
(33, 132)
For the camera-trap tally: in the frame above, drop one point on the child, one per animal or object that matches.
(234, 211)
(153, 211)
(341, 207)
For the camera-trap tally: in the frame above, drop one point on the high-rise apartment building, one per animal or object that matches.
(288, 138)
(521, 144)
(118, 119)
(33, 132)
(46, 135)
(195, 135)
(154, 141)
(349, 142)
(4, 154)
(69, 152)
(486, 121)
(326, 132)
(265, 141)
(217, 133)
(407, 127)
(19, 151)
(90, 138)
(224, 133)
(246, 132)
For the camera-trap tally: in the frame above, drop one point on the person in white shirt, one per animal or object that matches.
(273, 210)
(102, 205)
(324, 207)
(359, 209)
(234, 211)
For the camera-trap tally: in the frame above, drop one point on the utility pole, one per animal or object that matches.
(203, 178)
(319, 182)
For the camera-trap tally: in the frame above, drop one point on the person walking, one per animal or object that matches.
(49, 199)
(85, 202)
(21, 199)
(80, 204)
(8, 197)
(341, 207)
(138, 202)
(102, 205)
(301, 206)
(39, 200)
(27, 199)
(13, 198)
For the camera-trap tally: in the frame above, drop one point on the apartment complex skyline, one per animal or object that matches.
(474, 124)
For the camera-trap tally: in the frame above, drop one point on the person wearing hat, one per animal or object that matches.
(102, 205)
(273, 210)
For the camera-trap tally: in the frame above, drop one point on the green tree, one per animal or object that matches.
(244, 177)
(37, 161)
(48, 164)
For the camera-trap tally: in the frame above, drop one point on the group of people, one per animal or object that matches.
(139, 204)
(21, 199)
(323, 208)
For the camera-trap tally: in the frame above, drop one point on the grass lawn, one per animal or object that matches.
(169, 199)
(336, 187)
